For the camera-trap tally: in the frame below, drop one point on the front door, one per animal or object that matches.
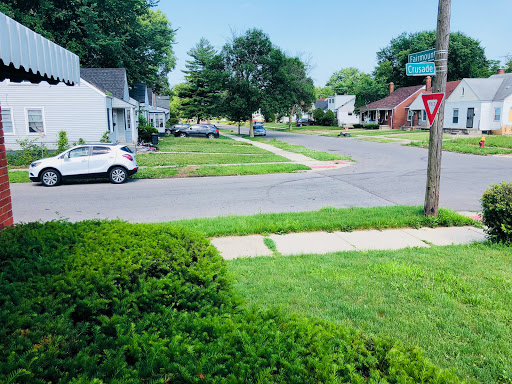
(113, 136)
(471, 114)
(75, 162)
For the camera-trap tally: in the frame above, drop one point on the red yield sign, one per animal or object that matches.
(432, 103)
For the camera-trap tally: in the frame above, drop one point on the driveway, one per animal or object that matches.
(385, 174)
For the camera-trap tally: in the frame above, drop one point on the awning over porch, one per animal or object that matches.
(26, 55)
(121, 104)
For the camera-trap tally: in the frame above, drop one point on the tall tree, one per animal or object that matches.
(107, 33)
(323, 92)
(249, 65)
(200, 93)
(466, 59)
(365, 87)
(293, 90)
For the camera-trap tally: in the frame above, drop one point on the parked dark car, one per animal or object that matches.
(198, 130)
(304, 122)
(172, 129)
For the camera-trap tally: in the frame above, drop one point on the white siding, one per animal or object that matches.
(79, 110)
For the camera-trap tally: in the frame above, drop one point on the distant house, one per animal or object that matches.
(343, 108)
(139, 92)
(391, 111)
(159, 110)
(481, 104)
(416, 113)
(121, 108)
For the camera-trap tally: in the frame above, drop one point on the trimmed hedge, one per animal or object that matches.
(497, 212)
(371, 126)
(112, 302)
(145, 132)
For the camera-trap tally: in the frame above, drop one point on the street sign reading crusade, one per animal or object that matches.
(423, 56)
(432, 103)
(420, 69)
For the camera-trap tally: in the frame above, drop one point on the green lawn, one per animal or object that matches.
(455, 302)
(248, 169)
(467, 145)
(221, 145)
(377, 139)
(184, 159)
(326, 219)
(18, 177)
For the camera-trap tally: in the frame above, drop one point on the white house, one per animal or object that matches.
(40, 111)
(481, 104)
(343, 108)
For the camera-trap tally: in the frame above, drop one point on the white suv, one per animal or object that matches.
(116, 162)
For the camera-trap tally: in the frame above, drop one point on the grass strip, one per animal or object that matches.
(18, 177)
(326, 219)
(459, 146)
(454, 302)
(247, 169)
(314, 154)
(162, 159)
(377, 139)
(155, 173)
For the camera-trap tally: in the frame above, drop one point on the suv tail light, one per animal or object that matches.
(217, 130)
(129, 157)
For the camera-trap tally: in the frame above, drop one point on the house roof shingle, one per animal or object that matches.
(138, 92)
(163, 102)
(107, 79)
(321, 103)
(396, 98)
(505, 89)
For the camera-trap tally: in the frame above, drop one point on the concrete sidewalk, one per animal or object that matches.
(323, 242)
(294, 157)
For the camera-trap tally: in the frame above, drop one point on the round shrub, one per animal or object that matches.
(497, 212)
(145, 132)
(112, 302)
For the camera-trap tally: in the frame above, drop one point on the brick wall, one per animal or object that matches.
(400, 114)
(5, 192)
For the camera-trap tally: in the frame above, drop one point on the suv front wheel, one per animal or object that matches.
(118, 175)
(50, 178)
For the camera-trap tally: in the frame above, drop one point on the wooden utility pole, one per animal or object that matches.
(436, 131)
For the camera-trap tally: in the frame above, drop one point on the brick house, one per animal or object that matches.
(391, 111)
(45, 61)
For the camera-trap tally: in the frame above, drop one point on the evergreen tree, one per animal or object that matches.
(200, 93)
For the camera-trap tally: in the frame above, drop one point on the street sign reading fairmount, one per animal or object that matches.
(423, 56)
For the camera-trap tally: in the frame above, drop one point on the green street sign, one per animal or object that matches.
(420, 69)
(423, 56)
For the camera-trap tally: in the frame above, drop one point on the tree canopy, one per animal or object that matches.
(108, 33)
(466, 57)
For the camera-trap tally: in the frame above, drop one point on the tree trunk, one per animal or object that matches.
(251, 130)
(435, 149)
(292, 111)
(198, 120)
(238, 127)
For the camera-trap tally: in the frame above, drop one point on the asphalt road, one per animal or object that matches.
(384, 174)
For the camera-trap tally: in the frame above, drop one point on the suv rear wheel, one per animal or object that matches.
(118, 175)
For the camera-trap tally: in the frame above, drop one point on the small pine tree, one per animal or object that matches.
(329, 119)
(62, 143)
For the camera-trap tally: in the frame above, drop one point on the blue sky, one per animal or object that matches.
(333, 34)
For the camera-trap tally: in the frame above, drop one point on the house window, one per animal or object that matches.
(35, 121)
(7, 121)
(497, 114)
(128, 120)
(409, 115)
(462, 93)
(350, 113)
(455, 119)
(108, 119)
(424, 115)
